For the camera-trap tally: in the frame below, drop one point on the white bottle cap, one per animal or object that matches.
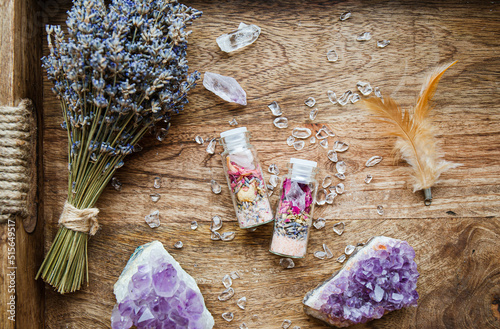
(305, 163)
(235, 131)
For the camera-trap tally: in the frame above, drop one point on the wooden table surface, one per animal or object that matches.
(456, 239)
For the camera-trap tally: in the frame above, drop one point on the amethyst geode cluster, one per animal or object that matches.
(381, 277)
(153, 291)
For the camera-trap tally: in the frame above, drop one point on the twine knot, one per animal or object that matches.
(80, 220)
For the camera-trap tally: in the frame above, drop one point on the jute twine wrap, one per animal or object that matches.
(16, 125)
(80, 220)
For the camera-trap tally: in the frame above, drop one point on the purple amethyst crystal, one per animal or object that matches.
(153, 291)
(379, 278)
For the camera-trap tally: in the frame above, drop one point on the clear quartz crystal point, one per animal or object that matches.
(373, 161)
(226, 294)
(313, 114)
(157, 182)
(233, 122)
(313, 140)
(287, 263)
(339, 146)
(194, 225)
(228, 316)
(339, 228)
(380, 210)
(286, 324)
(365, 36)
(216, 188)
(332, 156)
(116, 183)
(245, 35)
(243, 325)
(339, 189)
(328, 131)
(153, 219)
(215, 236)
(199, 140)
(341, 167)
(341, 258)
(321, 197)
(331, 96)
(274, 180)
(275, 109)
(290, 140)
(301, 133)
(227, 281)
(281, 122)
(310, 102)
(320, 254)
(377, 92)
(273, 169)
(327, 181)
(368, 178)
(322, 134)
(355, 98)
(216, 223)
(345, 15)
(340, 176)
(234, 275)
(344, 99)
(332, 56)
(328, 252)
(242, 303)
(299, 145)
(211, 146)
(155, 197)
(364, 88)
(324, 143)
(319, 223)
(349, 249)
(331, 197)
(227, 236)
(383, 43)
(225, 87)
(178, 245)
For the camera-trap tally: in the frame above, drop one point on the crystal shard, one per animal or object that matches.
(339, 188)
(274, 180)
(273, 169)
(379, 278)
(310, 102)
(299, 145)
(377, 92)
(383, 43)
(327, 181)
(349, 249)
(290, 140)
(373, 161)
(340, 176)
(328, 252)
(341, 167)
(233, 122)
(355, 98)
(281, 122)
(344, 99)
(345, 15)
(287, 263)
(153, 219)
(301, 132)
(154, 291)
(320, 254)
(330, 197)
(242, 303)
(194, 225)
(313, 114)
(365, 36)
(286, 324)
(245, 35)
(364, 88)
(199, 140)
(319, 223)
(339, 228)
(226, 88)
(216, 223)
(368, 178)
(211, 146)
(332, 97)
(324, 143)
(227, 236)
(339, 146)
(116, 183)
(157, 182)
(226, 294)
(216, 188)
(227, 281)
(380, 210)
(178, 245)
(275, 109)
(332, 56)
(228, 316)
(332, 155)
(341, 258)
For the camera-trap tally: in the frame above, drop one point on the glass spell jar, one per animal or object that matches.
(245, 179)
(295, 209)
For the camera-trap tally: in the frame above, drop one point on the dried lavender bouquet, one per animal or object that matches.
(120, 72)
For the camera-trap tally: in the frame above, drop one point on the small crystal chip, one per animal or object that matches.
(327, 181)
(355, 98)
(242, 303)
(368, 179)
(211, 146)
(216, 223)
(155, 197)
(330, 197)
(328, 252)
(377, 92)
(233, 122)
(270, 187)
(273, 169)
(341, 258)
(344, 99)
(324, 143)
(373, 161)
(301, 133)
(281, 122)
(332, 155)
(349, 249)
(340, 176)
(178, 245)
(234, 275)
(364, 88)
(339, 188)
(227, 281)
(383, 43)
(339, 228)
(339, 146)
(243, 325)
(365, 36)
(226, 294)
(310, 101)
(228, 316)
(194, 225)
(332, 56)
(215, 235)
(290, 140)
(345, 15)
(313, 140)
(116, 183)
(341, 167)
(322, 134)
(320, 254)
(243, 36)
(299, 145)
(332, 97)
(380, 210)
(157, 182)
(328, 131)
(296, 327)
(153, 219)
(216, 188)
(227, 236)
(319, 223)
(199, 140)
(286, 324)
(321, 197)
(273, 180)
(287, 263)
(313, 114)
(275, 109)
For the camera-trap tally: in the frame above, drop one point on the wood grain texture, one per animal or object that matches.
(456, 239)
